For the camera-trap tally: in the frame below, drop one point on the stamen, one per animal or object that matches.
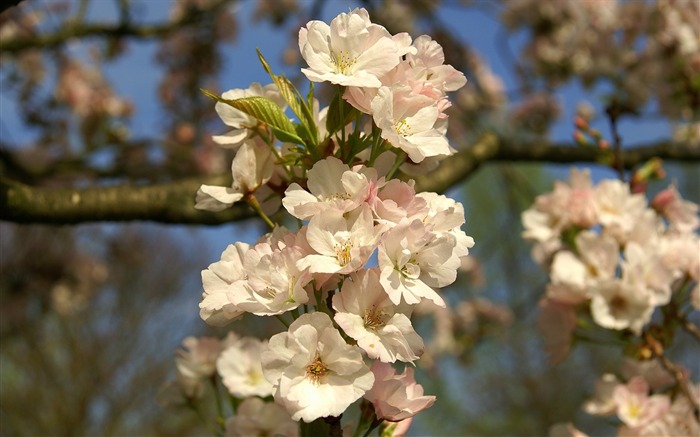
(403, 127)
(374, 319)
(342, 252)
(316, 370)
(343, 62)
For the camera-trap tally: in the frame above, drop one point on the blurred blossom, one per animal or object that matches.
(653, 45)
(397, 15)
(87, 93)
(536, 113)
(198, 356)
(475, 270)
(486, 89)
(602, 402)
(565, 430)
(688, 134)
(255, 417)
(556, 323)
(276, 11)
(240, 369)
(634, 405)
(585, 110)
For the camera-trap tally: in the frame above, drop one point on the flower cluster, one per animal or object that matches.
(627, 269)
(604, 40)
(642, 403)
(368, 247)
(606, 248)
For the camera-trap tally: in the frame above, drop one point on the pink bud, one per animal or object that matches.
(580, 122)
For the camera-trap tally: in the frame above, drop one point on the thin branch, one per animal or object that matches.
(690, 328)
(681, 379)
(77, 30)
(173, 202)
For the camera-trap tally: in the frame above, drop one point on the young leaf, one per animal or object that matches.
(296, 102)
(266, 111)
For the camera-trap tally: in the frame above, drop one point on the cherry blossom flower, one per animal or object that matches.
(428, 65)
(240, 369)
(216, 308)
(332, 185)
(572, 203)
(352, 51)
(445, 215)
(422, 70)
(198, 357)
(257, 418)
(644, 266)
(366, 314)
(243, 124)
(620, 304)
(313, 371)
(251, 168)
(681, 214)
(395, 200)
(274, 284)
(396, 397)
(408, 122)
(618, 208)
(634, 405)
(412, 260)
(343, 244)
(572, 275)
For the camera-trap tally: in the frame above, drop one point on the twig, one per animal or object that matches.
(658, 351)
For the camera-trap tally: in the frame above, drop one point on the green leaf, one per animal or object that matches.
(287, 137)
(264, 110)
(296, 102)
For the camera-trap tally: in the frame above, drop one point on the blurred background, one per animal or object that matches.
(106, 92)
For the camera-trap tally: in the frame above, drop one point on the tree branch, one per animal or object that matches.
(165, 203)
(489, 148)
(174, 202)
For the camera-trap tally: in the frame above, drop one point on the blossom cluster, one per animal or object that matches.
(618, 263)
(603, 40)
(607, 248)
(642, 402)
(367, 249)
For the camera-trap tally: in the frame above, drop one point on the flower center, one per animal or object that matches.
(374, 318)
(342, 61)
(269, 292)
(410, 270)
(618, 304)
(403, 127)
(342, 252)
(340, 196)
(255, 378)
(316, 370)
(290, 292)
